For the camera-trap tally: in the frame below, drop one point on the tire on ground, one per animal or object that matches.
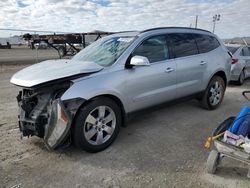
(205, 99)
(212, 162)
(78, 129)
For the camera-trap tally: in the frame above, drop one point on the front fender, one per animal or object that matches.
(87, 91)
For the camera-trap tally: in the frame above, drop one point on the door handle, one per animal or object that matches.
(203, 63)
(169, 69)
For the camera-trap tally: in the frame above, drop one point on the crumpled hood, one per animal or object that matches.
(52, 70)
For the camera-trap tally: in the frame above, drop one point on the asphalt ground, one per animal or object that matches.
(19, 55)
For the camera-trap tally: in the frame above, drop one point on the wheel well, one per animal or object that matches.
(222, 75)
(118, 102)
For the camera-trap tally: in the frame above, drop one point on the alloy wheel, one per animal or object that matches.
(215, 93)
(99, 125)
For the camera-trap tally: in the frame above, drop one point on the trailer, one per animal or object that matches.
(65, 44)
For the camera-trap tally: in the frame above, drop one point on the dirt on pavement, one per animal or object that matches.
(162, 148)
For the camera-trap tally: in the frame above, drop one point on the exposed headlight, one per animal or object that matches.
(58, 125)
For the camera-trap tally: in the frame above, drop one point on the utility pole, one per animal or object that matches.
(216, 18)
(196, 21)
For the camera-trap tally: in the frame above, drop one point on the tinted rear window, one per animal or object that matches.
(232, 49)
(206, 43)
(183, 44)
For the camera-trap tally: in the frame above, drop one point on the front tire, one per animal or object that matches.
(214, 93)
(97, 124)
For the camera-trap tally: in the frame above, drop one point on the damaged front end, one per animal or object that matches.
(44, 114)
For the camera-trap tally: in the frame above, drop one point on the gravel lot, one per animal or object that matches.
(162, 148)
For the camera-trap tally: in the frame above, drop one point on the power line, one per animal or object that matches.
(30, 30)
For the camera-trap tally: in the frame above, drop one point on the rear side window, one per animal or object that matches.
(154, 48)
(206, 43)
(183, 44)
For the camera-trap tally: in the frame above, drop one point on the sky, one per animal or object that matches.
(123, 15)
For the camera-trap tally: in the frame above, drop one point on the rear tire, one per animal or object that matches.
(97, 124)
(241, 78)
(214, 93)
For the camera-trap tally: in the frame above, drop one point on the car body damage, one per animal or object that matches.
(41, 111)
(58, 124)
(52, 70)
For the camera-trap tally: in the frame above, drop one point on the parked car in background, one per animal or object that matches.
(88, 97)
(240, 69)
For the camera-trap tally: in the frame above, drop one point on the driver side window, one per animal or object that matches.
(154, 48)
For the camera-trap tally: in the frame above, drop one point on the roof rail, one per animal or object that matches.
(156, 28)
(126, 31)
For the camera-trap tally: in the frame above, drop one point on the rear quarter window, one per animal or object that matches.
(183, 44)
(206, 43)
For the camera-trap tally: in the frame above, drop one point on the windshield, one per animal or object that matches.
(104, 51)
(232, 49)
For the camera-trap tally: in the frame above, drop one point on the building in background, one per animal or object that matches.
(14, 40)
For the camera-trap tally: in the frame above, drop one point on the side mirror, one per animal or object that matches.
(139, 61)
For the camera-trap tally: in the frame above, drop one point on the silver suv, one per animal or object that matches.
(88, 98)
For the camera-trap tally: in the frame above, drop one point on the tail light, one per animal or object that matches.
(234, 60)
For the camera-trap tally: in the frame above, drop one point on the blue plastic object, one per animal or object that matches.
(239, 119)
(244, 127)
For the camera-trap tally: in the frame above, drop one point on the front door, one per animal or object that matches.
(154, 84)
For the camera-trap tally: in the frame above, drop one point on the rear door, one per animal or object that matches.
(212, 56)
(190, 65)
